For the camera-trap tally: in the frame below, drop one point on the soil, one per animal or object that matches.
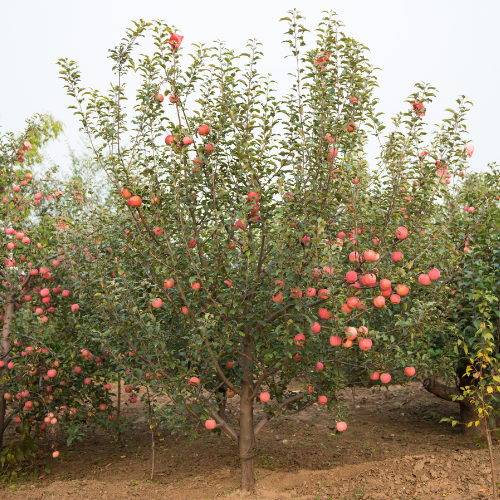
(394, 448)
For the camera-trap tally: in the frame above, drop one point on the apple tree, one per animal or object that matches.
(47, 386)
(472, 274)
(254, 244)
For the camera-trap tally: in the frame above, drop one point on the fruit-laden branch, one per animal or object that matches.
(279, 313)
(260, 381)
(224, 425)
(268, 417)
(440, 390)
(195, 321)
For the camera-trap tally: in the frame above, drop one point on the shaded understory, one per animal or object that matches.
(394, 448)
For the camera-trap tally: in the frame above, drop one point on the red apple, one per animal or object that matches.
(395, 299)
(365, 344)
(204, 130)
(401, 233)
(354, 257)
(396, 256)
(210, 424)
(385, 284)
(316, 327)
(134, 201)
(299, 339)
(351, 277)
(323, 313)
(335, 340)
(352, 302)
(126, 193)
(402, 290)
(264, 397)
(370, 255)
(157, 303)
(351, 333)
(341, 426)
(424, 279)
(434, 274)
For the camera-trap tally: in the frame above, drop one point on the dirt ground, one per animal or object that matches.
(394, 448)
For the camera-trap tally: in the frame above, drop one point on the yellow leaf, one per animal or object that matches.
(489, 389)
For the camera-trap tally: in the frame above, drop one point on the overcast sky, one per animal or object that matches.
(452, 44)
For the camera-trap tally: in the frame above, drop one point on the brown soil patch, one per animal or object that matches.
(394, 448)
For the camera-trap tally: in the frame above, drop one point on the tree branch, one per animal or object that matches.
(440, 390)
(224, 425)
(269, 416)
(279, 313)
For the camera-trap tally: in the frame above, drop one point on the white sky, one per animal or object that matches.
(452, 44)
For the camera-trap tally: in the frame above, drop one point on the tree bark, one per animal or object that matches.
(246, 438)
(468, 412)
(5, 357)
(118, 409)
(3, 408)
(222, 405)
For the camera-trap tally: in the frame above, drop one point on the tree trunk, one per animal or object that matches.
(247, 439)
(469, 414)
(119, 398)
(222, 405)
(3, 408)
(4, 356)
